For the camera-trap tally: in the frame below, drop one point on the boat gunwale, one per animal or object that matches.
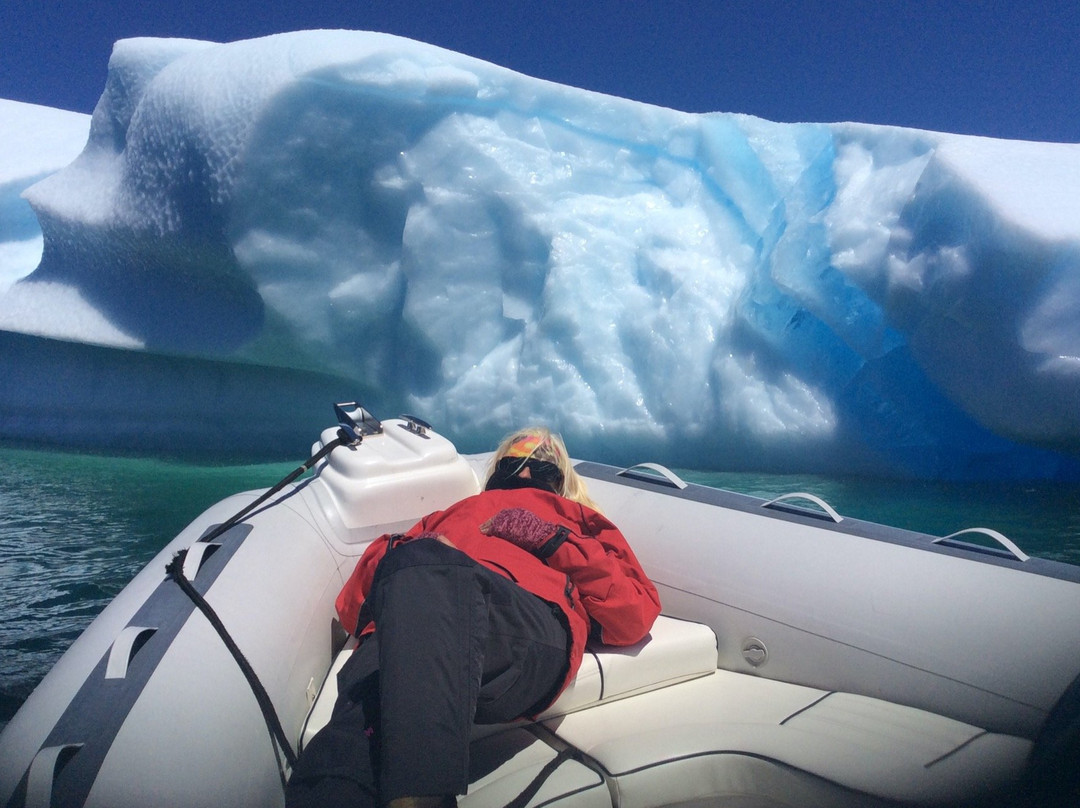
(849, 526)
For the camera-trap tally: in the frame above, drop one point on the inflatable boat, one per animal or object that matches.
(802, 659)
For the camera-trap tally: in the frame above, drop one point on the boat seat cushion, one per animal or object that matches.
(696, 740)
(674, 651)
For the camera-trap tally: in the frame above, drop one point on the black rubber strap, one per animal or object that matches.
(562, 533)
(175, 570)
(522, 799)
(341, 439)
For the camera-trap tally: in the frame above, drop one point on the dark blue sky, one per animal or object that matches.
(1002, 68)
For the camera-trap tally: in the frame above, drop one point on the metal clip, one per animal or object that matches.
(415, 425)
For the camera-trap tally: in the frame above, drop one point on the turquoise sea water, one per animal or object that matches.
(75, 528)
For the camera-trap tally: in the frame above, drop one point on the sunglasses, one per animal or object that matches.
(542, 474)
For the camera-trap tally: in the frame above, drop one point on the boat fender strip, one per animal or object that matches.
(175, 570)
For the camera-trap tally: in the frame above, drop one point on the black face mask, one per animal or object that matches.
(545, 475)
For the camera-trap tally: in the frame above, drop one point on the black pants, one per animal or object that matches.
(455, 644)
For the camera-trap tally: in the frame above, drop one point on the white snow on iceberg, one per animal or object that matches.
(35, 141)
(483, 248)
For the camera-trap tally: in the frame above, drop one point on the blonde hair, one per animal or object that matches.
(550, 448)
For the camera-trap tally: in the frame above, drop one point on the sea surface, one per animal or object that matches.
(75, 528)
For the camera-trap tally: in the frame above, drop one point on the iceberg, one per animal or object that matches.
(35, 142)
(483, 249)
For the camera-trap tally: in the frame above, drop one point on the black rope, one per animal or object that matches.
(522, 799)
(341, 439)
(175, 570)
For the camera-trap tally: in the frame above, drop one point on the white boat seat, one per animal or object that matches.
(736, 736)
(721, 738)
(674, 651)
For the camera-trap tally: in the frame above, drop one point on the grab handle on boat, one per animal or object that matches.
(196, 555)
(124, 648)
(46, 764)
(1001, 539)
(654, 473)
(825, 506)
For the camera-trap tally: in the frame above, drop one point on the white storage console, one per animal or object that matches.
(397, 474)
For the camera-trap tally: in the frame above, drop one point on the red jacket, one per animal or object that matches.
(593, 576)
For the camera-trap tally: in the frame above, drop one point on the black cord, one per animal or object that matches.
(522, 799)
(340, 440)
(175, 570)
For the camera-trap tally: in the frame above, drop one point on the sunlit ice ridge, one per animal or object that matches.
(321, 214)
